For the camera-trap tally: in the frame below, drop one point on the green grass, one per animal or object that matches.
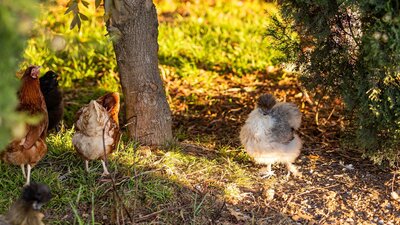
(224, 36)
(147, 181)
(200, 44)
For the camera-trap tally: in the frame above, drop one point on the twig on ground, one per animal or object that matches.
(315, 189)
(287, 203)
(394, 175)
(305, 93)
(330, 114)
(114, 186)
(153, 214)
(318, 104)
(217, 214)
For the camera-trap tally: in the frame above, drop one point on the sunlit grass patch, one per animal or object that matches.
(222, 36)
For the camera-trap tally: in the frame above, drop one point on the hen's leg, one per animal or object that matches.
(269, 172)
(23, 170)
(28, 175)
(292, 168)
(87, 166)
(105, 173)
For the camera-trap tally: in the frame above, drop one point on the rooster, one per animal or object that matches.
(25, 211)
(53, 97)
(89, 140)
(32, 147)
(269, 134)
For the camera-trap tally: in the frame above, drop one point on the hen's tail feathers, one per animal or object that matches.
(111, 103)
(266, 101)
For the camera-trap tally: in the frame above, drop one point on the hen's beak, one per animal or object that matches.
(35, 72)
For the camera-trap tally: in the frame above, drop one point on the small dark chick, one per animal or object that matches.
(25, 211)
(53, 97)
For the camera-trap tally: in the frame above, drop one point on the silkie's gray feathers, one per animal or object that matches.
(287, 119)
(269, 132)
(286, 116)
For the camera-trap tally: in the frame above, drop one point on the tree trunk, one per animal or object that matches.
(136, 48)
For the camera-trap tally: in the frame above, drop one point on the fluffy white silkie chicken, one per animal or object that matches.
(269, 134)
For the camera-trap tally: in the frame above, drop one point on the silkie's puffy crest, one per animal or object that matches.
(266, 101)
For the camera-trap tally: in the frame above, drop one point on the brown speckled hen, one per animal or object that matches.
(32, 147)
(92, 119)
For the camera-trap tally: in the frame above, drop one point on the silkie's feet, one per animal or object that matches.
(266, 173)
(293, 169)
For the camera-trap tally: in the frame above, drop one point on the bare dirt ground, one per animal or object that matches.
(338, 186)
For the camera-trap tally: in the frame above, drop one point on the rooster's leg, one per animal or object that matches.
(105, 173)
(87, 166)
(23, 170)
(28, 174)
(269, 172)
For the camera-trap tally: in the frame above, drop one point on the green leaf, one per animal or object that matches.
(83, 17)
(75, 21)
(79, 24)
(70, 2)
(72, 7)
(85, 3)
(97, 3)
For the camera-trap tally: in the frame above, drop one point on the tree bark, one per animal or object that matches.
(135, 26)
